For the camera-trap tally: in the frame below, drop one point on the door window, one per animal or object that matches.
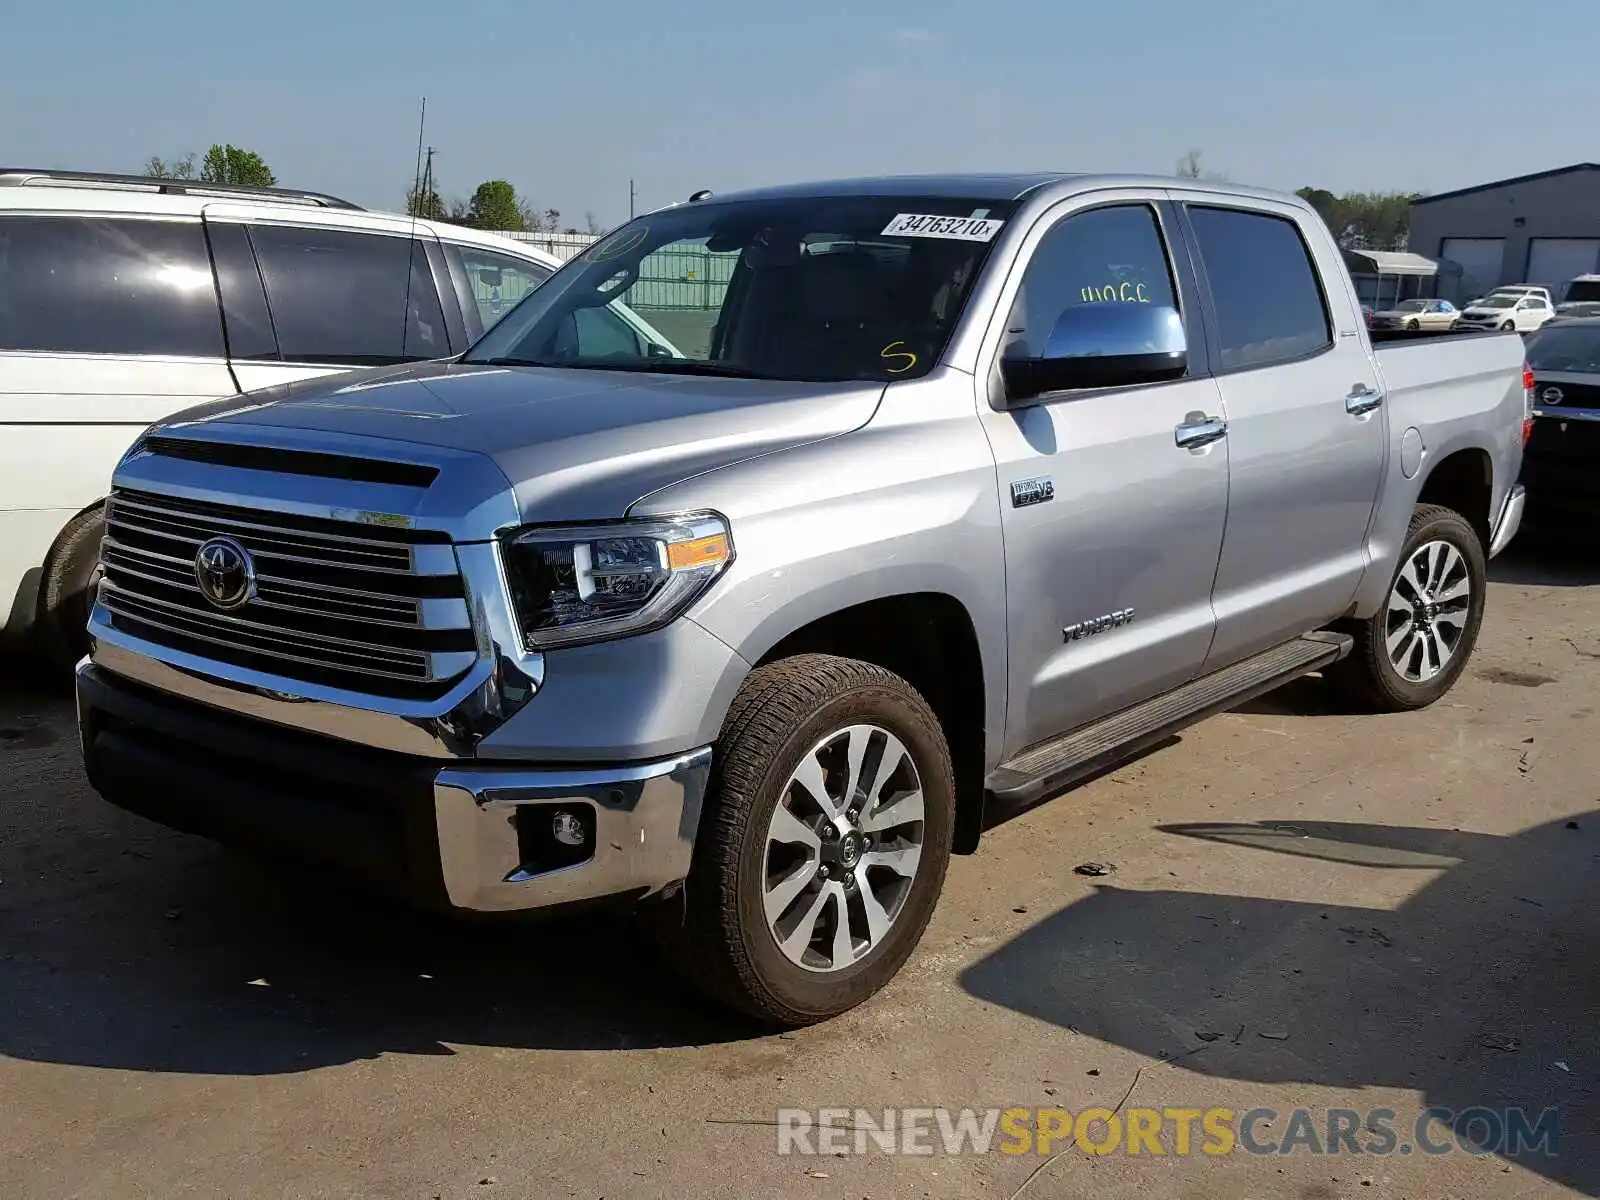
(349, 298)
(1264, 286)
(598, 333)
(107, 286)
(498, 281)
(1105, 255)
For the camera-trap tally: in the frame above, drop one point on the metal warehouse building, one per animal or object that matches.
(1542, 229)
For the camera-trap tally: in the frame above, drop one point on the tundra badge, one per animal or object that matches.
(1094, 625)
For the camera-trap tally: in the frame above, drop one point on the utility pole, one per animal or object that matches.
(632, 195)
(426, 190)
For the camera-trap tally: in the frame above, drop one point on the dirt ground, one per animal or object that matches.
(1307, 909)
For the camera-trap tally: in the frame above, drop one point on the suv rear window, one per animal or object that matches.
(349, 298)
(92, 285)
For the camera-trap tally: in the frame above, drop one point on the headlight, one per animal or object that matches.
(596, 582)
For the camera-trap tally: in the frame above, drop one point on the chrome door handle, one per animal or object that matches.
(1362, 399)
(1199, 430)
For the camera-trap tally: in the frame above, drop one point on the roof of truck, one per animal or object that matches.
(1010, 186)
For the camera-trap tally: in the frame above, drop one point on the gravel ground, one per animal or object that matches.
(1307, 909)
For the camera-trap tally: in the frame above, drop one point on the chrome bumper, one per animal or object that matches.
(645, 819)
(472, 836)
(1510, 519)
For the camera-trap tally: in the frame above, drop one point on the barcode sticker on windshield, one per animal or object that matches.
(961, 229)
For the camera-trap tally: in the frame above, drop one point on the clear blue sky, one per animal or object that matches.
(570, 101)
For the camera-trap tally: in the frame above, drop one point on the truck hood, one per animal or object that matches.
(576, 445)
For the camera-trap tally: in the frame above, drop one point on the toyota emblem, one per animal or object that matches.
(1552, 395)
(226, 576)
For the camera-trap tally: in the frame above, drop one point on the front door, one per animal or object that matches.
(1306, 427)
(1111, 529)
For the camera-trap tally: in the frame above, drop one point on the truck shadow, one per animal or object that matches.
(1546, 555)
(1478, 990)
(128, 946)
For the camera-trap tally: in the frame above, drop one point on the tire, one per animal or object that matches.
(789, 717)
(1371, 675)
(66, 593)
(1507, 326)
(1413, 325)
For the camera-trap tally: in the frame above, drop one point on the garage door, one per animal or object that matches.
(1479, 260)
(1554, 261)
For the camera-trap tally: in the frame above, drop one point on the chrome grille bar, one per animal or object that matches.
(369, 609)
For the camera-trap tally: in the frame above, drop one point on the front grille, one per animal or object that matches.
(370, 609)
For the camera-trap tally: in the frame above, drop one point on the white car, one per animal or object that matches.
(125, 299)
(1522, 310)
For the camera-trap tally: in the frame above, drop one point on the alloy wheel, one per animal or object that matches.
(842, 848)
(1427, 612)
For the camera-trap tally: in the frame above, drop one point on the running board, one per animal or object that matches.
(1054, 765)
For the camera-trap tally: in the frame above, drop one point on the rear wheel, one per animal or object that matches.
(824, 842)
(1412, 650)
(67, 593)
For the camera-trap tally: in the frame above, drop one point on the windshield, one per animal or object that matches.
(1566, 348)
(1411, 306)
(1584, 289)
(815, 288)
(1497, 302)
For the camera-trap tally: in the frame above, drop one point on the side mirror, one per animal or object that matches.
(1101, 345)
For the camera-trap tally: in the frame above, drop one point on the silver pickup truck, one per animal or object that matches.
(955, 491)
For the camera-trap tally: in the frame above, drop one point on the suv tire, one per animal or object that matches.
(66, 594)
(750, 935)
(1415, 647)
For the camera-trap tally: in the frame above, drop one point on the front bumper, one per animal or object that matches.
(469, 835)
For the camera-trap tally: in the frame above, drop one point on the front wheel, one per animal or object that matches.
(1412, 650)
(824, 843)
(1413, 325)
(1507, 326)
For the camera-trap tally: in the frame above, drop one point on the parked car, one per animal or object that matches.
(1434, 315)
(1574, 310)
(1525, 289)
(1561, 466)
(981, 485)
(124, 299)
(1581, 288)
(1522, 312)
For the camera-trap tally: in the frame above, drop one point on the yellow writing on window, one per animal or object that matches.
(1124, 293)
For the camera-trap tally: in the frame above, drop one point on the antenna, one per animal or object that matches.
(416, 203)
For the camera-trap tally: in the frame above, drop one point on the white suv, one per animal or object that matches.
(1521, 308)
(125, 299)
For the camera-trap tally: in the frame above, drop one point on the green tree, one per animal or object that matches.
(1189, 167)
(426, 203)
(1364, 220)
(494, 206)
(232, 164)
(170, 168)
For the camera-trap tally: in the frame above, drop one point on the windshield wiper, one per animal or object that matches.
(508, 362)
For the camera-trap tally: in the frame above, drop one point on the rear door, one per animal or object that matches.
(1111, 528)
(1306, 425)
(302, 300)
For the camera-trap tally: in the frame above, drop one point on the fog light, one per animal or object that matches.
(567, 828)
